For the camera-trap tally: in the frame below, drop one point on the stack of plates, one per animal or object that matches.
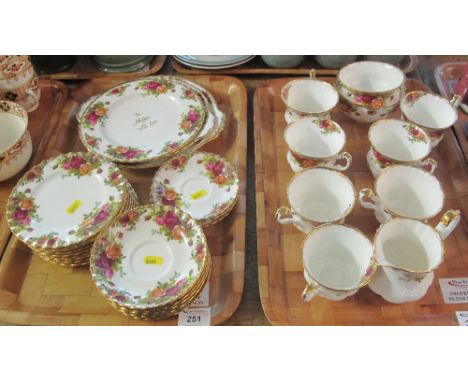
(213, 61)
(143, 123)
(204, 185)
(151, 262)
(59, 206)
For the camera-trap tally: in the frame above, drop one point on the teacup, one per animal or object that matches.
(19, 82)
(431, 112)
(308, 97)
(316, 142)
(370, 90)
(398, 142)
(15, 144)
(316, 196)
(408, 251)
(338, 260)
(404, 191)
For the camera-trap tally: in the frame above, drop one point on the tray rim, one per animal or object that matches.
(239, 252)
(261, 213)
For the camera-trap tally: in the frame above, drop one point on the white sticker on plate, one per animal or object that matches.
(204, 299)
(462, 318)
(454, 290)
(195, 317)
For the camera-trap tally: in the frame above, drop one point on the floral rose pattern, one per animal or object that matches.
(128, 153)
(170, 225)
(92, 141)
(415, 134)
(97, 114)
(190, 120)
(326, 126)
(169, 146)
(22, 209)
(188, 94)
(50, 240)
(79, 165)
(129, 220)
(304, 162)
(109, 260)
(369, 100)
(217, 172)
(155, 87)
(119, 90)
(382, 161)
(411, 98)
(166, 195)
(179, 163)
(34, 175)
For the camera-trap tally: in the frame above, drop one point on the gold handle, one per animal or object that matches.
(449, 216)
(312, 73)
(455, 101)
(309, 292)
(283, 212)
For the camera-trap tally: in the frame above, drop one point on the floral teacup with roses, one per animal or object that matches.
(370, 90)
(316, 142)
(431, 112)
(394, 141)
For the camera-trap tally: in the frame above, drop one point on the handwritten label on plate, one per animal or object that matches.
(143, 122)
(199, 194)
(153, 260)
(74, 206)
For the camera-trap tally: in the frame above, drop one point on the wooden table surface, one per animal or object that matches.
(250, 310)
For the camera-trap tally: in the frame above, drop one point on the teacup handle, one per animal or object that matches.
(342, 156)
(429, 164)
(436, 141)
(284, 215)
(448, 222)
(309, 292)
(367, 193)
(312, 73)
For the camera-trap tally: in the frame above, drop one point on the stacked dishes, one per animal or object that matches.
(59, 206)
(151, 262)
(213, 61)
(143, 123)
(204, 185)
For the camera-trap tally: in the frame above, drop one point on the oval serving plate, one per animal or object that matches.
(148, 257)
(65, 200)
(142, 120)
(204, 185)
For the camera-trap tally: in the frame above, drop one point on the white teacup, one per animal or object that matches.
(338, 260)
(316, 196)
(308, 97)
(316, 142)
(431, 112)
(370, 90)
(408, 251)
(404, 191)
(15, 142)
(398, 142)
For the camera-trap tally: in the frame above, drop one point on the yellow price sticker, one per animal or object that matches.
(74, 206)
(199, 194)
(154, 260)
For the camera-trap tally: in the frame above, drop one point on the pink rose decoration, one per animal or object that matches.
(193, 116)
(92, 117)
(21, 216)
(102, 215)
(153, 85)
(130, 154)
(218, 168)
(160, 220)
(76, 162)
(171, 220)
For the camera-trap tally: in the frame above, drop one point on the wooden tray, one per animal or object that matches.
(257, 66)
(38, 293)
(84, 69)
(446, 76)
(41, 126)
(279, 247)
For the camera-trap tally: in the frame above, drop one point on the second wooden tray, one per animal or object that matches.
(35, 292)
(280, 269)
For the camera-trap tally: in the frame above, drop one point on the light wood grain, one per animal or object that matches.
(280, 271)
(39, 293)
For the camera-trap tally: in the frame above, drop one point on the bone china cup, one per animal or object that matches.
(338, 260)
(308, 97)
(316, 196)
(404, 191)
(433, 113)
(15, 142)
(394, 141)
(408, 251)
(370, 90)
(316, 142)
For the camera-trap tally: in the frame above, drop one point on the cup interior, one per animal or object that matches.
(310, 96)
(309, 137)
(371, 76)
(399, 140)
(409, 245)
(321, 195)
(430, 111)
(337, 256)
(12, 128)
(410, 192)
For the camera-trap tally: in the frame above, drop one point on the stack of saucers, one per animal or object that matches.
(151, 262)
(59, 206)
(213, 61)
(143, 123)
(205, 185)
